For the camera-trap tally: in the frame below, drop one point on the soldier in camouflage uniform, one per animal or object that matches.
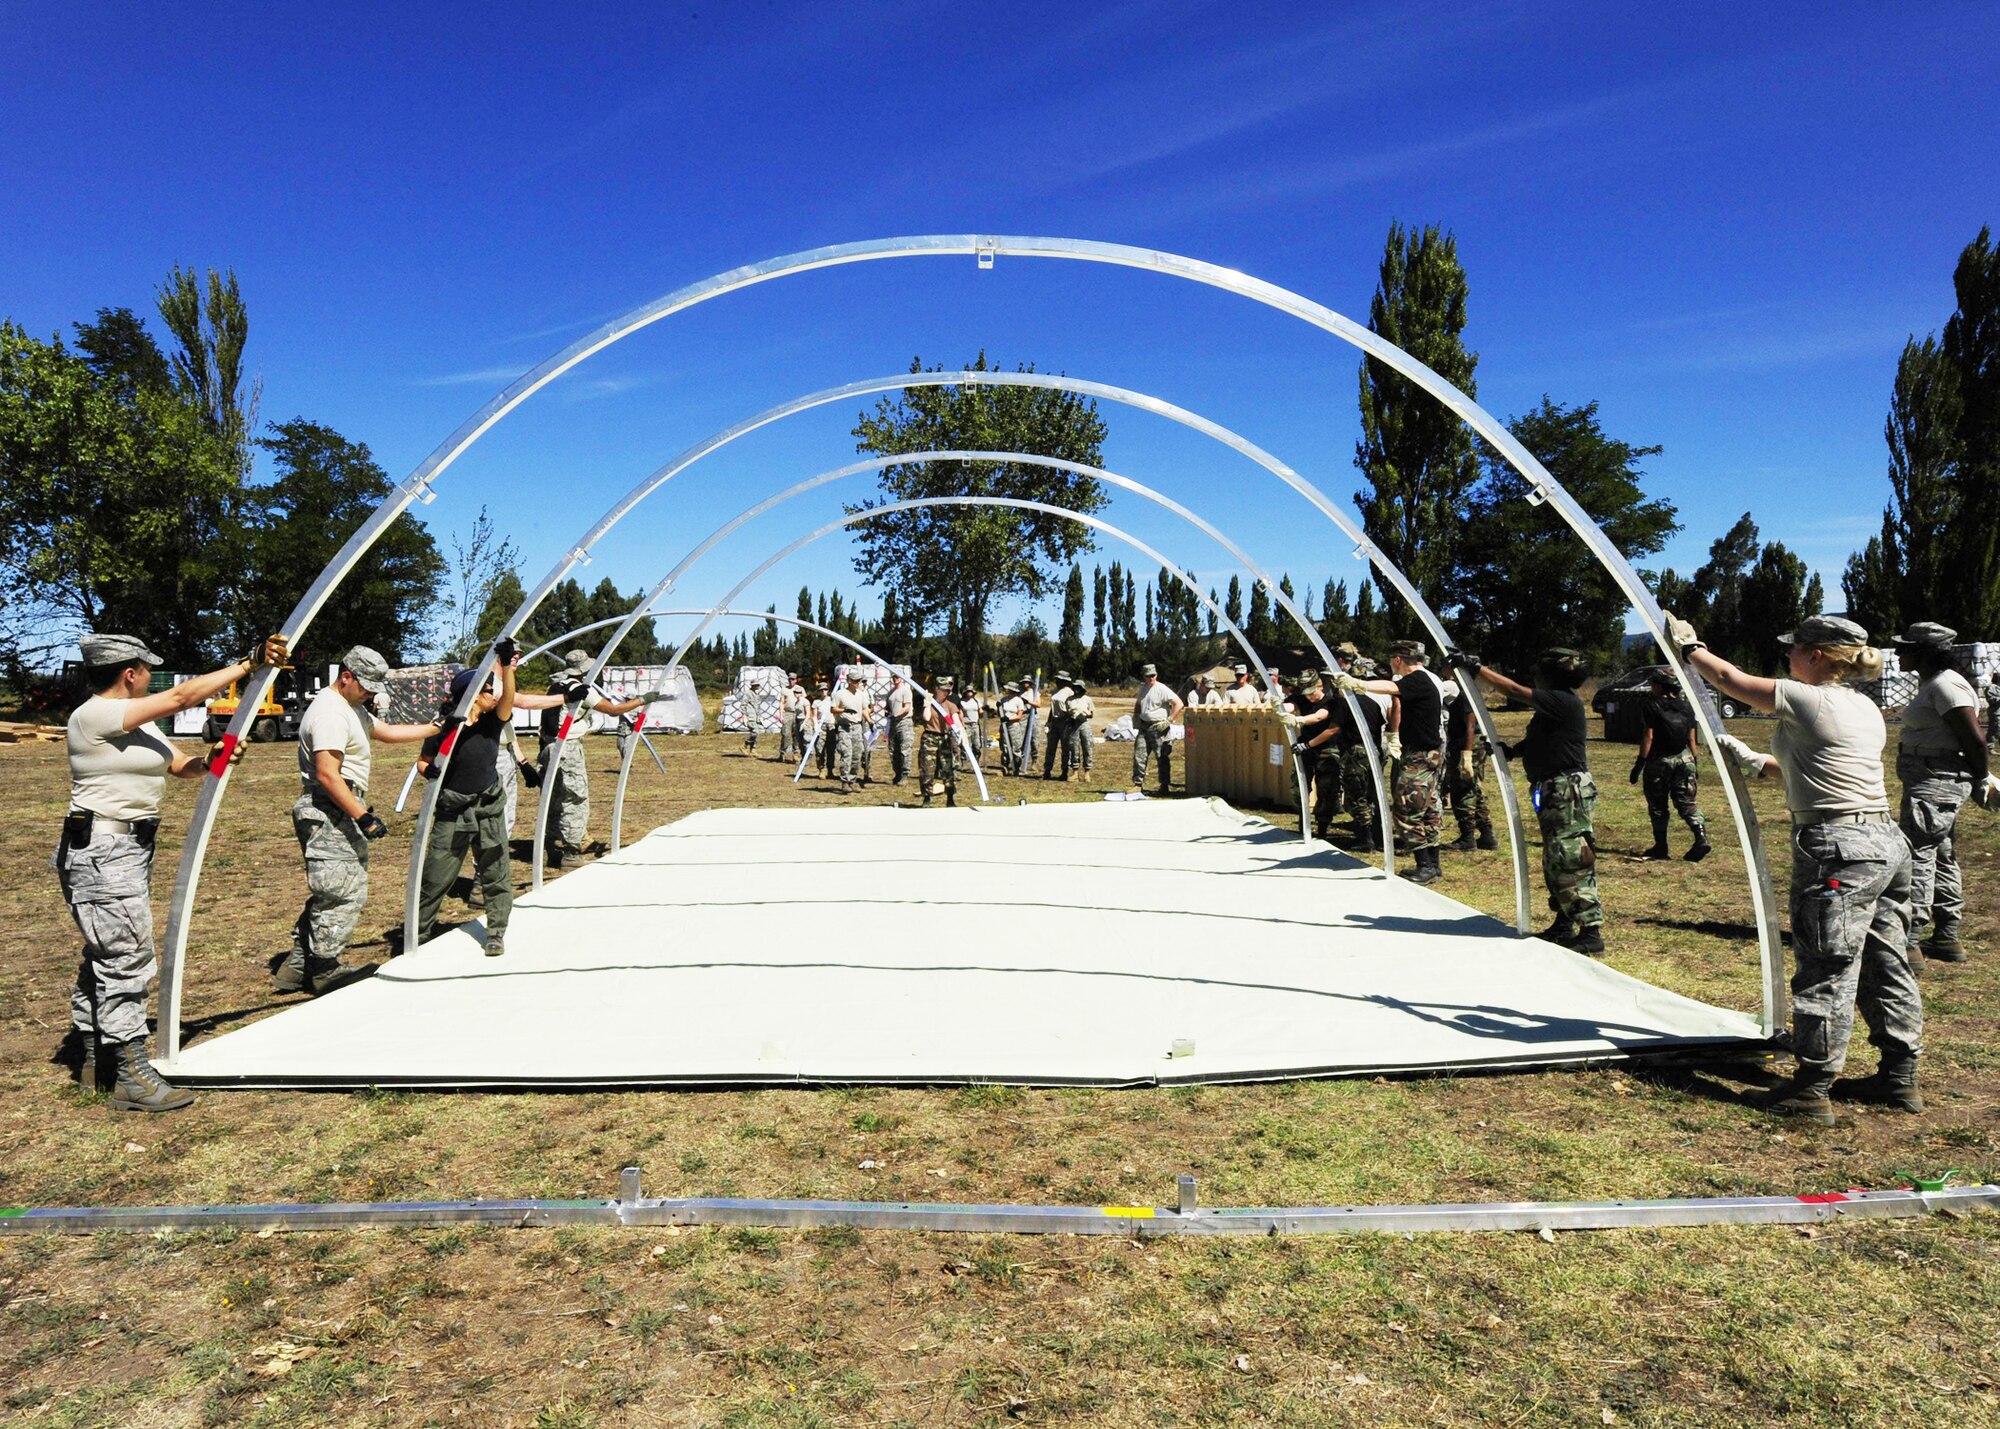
(1851, 865)
(1554, 755)
(118, 768)
(562, 754)
(1357, 778)
(1666, 763)
(1416, 746)
(937, 751)
(1465, 782)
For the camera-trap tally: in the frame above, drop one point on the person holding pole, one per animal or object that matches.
(1851, 865)
(471, 804)
(562, 753)
(118, 769)
(332, 818)
(1940, 760)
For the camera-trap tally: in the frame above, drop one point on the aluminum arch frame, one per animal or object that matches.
(1125, 483)
(922, 503)
(1138, 400)
(417, 486)
(618, 804)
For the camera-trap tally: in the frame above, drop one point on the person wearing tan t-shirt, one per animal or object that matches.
(119, 766)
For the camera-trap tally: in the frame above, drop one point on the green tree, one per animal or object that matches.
(1777, 594)
(1969, 596)
(113, 498)
(1907, 568)
(1414, 451)
(1070, 637)
(1258, 626)
(1336, 620)
(953, 562)
(322, 488)
(120, 351)
(1232, 604)
(212, 327)
(1525, 582)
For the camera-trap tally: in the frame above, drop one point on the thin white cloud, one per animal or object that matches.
(478, 377)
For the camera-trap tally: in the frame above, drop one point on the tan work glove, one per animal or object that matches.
(1392, 745)
(1747, 759)
(1681, 635)
(1987, 795)
(1465, 765)
(271, 650)
(1347, 683)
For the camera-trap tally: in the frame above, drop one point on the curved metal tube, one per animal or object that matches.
(918, 504)
(985, 248)
(625, 762)
(1125, 483)
(1126, 396)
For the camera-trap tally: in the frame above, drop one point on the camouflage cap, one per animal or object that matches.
(1411, 650)
(1349, 649)
(368, 667)
(1240, 669)
(1062, 677)
(946, 682)
(1823, 630)
(1928, 634)
(1149, 672)
(577, 662)
(1013, 685)
(101, 650)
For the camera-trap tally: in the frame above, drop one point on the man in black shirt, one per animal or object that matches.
(1554, 755)
(471, 806)
(1418, 748)
(1666, 762)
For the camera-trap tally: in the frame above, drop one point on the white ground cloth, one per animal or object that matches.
(1059, 943)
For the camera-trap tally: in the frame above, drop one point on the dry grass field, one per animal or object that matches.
(1865, 1324)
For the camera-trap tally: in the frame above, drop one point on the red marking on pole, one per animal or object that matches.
(563, 733)
(450, 738)
(224, 748)
(1824, 1198)
(1833, 883)
(638, 721)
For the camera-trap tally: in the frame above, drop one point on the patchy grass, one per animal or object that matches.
(1853, 1324)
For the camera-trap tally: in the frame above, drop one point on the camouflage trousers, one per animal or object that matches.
(569, 787)
(1850, 926)
(1147, 741)
(1077, 747)
(937, 761)
(1013, 735)
(1358, 784)
(902, 747)
(1419, 814)
(1324, 768)
(849, 740)
(108, 884)
(1566, 807)
(1934, 789)
(467, 824)
(1056, 750)
(1674, 779)
(1468, 796)
(336, 856)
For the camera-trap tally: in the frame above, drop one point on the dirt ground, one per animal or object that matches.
(1851, 1324)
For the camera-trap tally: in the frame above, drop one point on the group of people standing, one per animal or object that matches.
(1872, 895)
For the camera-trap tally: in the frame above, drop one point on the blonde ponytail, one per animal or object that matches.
(1848, 663)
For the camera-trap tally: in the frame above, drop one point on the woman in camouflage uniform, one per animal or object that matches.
(118, 769)
(1850, 898)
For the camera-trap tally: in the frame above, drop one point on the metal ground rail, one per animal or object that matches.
(1185, 1217)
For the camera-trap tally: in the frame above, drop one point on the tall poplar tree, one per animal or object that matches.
(1416, 454)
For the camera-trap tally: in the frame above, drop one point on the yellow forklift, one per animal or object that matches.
(277, 717)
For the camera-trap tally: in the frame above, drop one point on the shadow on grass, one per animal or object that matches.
(1710, 927)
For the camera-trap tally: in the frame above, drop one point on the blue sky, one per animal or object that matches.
(1719, 222)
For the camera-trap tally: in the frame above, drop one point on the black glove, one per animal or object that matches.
(1299, 746)
(371, 827)
(431, 770)
(1638, 768)
(1465, 660)
(504, 651)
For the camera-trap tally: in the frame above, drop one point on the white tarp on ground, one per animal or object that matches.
(780, 945)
